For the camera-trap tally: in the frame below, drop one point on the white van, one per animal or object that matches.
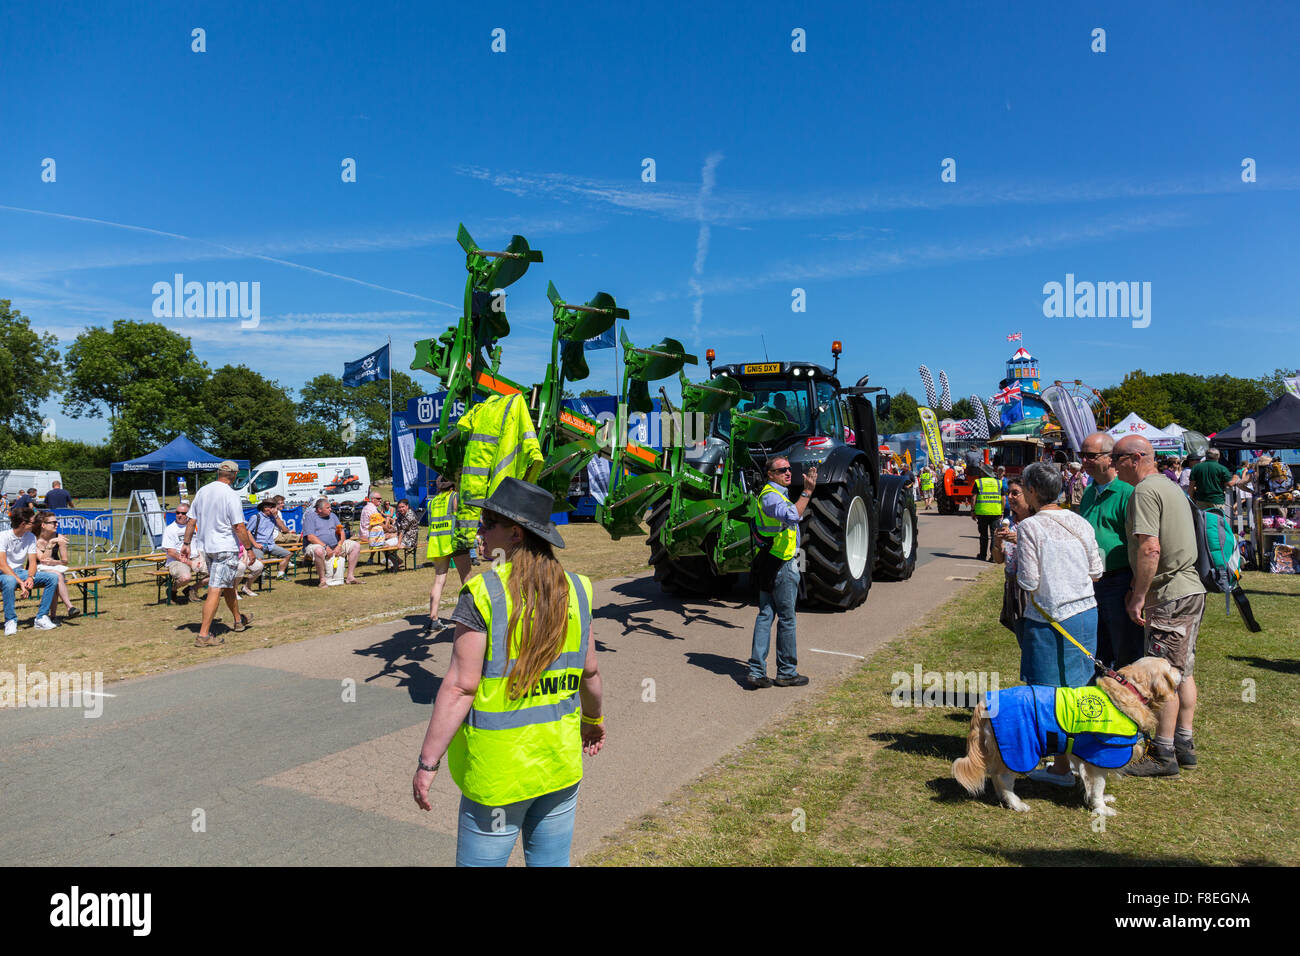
(303, 480)
(14, 482)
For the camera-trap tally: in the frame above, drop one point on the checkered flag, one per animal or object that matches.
(945, 396)
(994, 417)
(928, 382)
(978, 424)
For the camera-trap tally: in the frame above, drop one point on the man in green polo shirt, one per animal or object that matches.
(1104, 506)
(1209, 479)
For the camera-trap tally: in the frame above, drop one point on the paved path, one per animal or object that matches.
(284, 771)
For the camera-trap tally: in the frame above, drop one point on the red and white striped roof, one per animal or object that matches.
(1021, 355)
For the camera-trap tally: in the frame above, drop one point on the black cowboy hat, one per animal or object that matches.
(527, 505)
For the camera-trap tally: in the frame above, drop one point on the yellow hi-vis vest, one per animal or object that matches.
(988, 496)
(501, 444)
(511, 750)
(442, 524)
(783, 543)
(927, 481)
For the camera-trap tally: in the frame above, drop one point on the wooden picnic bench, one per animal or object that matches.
(123, 562)
(387, 548)
(85, 577)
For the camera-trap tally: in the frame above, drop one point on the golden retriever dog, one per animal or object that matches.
(1030, 733)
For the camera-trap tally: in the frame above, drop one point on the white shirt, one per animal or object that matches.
(16, 549)
(217, 510)
(1056, 560)
(174, 537)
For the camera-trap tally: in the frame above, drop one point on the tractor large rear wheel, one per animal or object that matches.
(839, 540)
(896, 552)
(692, 574)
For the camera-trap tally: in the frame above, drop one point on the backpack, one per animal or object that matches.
(1218, 559)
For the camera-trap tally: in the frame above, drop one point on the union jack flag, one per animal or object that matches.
(1015, 336)
(1008, 395)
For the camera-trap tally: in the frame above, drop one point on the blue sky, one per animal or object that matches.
(775, 170)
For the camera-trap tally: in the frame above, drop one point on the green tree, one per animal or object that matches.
(593, 393)
(30, 371)
(1273, 383)
(903, 415)
(144, 375)
(961, 409)
(249, 416)
(1140, 393)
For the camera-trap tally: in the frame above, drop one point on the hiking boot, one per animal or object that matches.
(1186, 753)
(209, 641)
(758, 682)
(1158, 762)
(798, 680)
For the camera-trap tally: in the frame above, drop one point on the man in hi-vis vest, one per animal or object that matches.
(777, 575)
(987, 509)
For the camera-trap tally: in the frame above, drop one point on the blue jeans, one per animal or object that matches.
(1119, 640)
(778, 602)
(1047, 658)
(486, 835)
(44, 579)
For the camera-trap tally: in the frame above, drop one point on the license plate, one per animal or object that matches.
(766, 368)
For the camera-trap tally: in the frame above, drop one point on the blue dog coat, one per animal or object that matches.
(1033, 721)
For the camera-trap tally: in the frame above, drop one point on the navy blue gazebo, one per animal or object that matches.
(180, 455)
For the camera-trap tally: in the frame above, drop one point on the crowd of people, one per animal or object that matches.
(1116, 571)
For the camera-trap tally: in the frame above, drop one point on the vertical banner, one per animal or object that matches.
(933, 443)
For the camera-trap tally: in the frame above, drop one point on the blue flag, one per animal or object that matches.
(603, 341)
(372, 368)
(1012, 412)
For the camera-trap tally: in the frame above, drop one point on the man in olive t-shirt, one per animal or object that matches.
(1209, 479)
(1167, 596)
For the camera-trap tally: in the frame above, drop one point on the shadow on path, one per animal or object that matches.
(647, 597)
(409, 645)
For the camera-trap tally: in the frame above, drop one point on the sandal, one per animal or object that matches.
(243, 623)
(208, 641)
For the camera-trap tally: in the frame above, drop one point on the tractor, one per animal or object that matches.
(860, 523)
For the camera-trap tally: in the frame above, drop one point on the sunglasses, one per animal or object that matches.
(779, 471)
(489, 521)
(1091, 455)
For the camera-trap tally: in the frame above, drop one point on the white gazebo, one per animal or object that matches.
(1160, 439)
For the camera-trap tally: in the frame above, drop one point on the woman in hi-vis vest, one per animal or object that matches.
(521, 702)
(442, 549)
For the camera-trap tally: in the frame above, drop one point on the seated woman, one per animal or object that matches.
(52, 556)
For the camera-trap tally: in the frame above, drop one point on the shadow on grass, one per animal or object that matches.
(1088, 857)
(924, 745)
(411, 647)
(948, 790)
(1283, 666)
(647, 598)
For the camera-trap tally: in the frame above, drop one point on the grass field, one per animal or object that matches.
(134, 636)
(871, 783)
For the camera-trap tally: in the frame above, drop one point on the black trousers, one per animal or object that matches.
(987, 523)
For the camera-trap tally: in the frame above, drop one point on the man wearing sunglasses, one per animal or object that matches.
(1167, 597)
(1105, 506)
(777, 574)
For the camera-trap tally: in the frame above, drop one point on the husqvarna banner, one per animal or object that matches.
(933, 443)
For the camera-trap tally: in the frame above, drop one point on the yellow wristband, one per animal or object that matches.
(593, 720)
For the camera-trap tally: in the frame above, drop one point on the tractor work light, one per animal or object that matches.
(796, 372)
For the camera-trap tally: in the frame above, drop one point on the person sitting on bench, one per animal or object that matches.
(323, 536)
(185, 572)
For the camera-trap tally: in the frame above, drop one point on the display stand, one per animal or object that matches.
(144, 516)
(1267, 538)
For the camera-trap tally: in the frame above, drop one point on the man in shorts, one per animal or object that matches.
(185, 574)
(1167, 597)
(218, 516)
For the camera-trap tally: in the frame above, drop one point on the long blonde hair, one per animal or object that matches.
(539, 595)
